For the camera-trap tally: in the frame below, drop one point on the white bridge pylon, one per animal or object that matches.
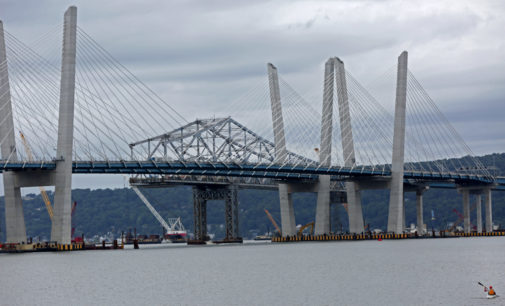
(61, 178)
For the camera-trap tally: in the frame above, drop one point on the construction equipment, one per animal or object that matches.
(311, 224)
(175, 227)
(43, 192)
(273, 221)
(461, 218)
(72, 217)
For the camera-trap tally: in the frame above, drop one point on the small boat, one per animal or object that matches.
(492, 296)
(263, 237)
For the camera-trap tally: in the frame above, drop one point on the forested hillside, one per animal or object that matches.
(105, 210)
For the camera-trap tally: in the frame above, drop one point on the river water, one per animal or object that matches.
(402, 272)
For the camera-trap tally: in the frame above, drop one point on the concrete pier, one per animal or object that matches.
(396, 208)
(14, 217)
(489, 211)
(323, 206)
(466, 211)
(419, 210)
(288, 226)
(61, 226)
(478, 207)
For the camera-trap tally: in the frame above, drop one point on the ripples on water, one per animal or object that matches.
(406, 272)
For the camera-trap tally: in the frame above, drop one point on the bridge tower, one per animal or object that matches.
(14, 218)
(334, 70)
(61, 227)
(352, 188)
(288, 224)
(396, 203)
(61, 178)
(323, 188)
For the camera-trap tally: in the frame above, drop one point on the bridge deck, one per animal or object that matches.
(245, 170)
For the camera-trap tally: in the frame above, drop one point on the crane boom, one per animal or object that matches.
(273, 221)
(43, 192)
(151, 208)
(311, 224)
(461, 218)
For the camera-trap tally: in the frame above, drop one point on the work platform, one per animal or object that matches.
(56, 247)
(349, 237)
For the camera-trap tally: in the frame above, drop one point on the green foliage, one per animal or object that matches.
(106, 210)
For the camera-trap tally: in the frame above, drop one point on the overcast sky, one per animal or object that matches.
(199, 55)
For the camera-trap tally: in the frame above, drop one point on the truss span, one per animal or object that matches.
(217, 140)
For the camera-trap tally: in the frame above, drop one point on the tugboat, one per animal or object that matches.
(176, 232)
(174, 237)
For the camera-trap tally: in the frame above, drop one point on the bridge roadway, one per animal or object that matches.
(434, 179)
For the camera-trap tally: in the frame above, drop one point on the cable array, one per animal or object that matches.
(113, 109)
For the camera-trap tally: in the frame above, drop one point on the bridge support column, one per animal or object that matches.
(489, 211)
(231, 214)
(61, 226)
(355, 211)
(15, 228)
(466, 210)
(322, 224)
(419, 207)
(288, 225)
(14, 218)
(199, 214)
(478, 207)
(396, 209)
(202, 194)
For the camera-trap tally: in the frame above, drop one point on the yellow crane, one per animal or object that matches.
(273, 221)
(42, 190)
(311, 224)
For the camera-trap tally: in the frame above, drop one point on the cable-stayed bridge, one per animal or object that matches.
(92, 115)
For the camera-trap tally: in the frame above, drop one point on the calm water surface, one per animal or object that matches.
(408, 272)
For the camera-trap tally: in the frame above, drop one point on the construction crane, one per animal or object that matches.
(174, 225)
(43, 192)
(311, 224)
(461, 218)
(273, 221)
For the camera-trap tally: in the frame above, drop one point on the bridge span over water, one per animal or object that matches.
(103, 120)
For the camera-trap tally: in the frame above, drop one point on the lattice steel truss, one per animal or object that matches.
(230, 196)
(212, 140)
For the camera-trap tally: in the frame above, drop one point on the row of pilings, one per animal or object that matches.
(371, 236)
